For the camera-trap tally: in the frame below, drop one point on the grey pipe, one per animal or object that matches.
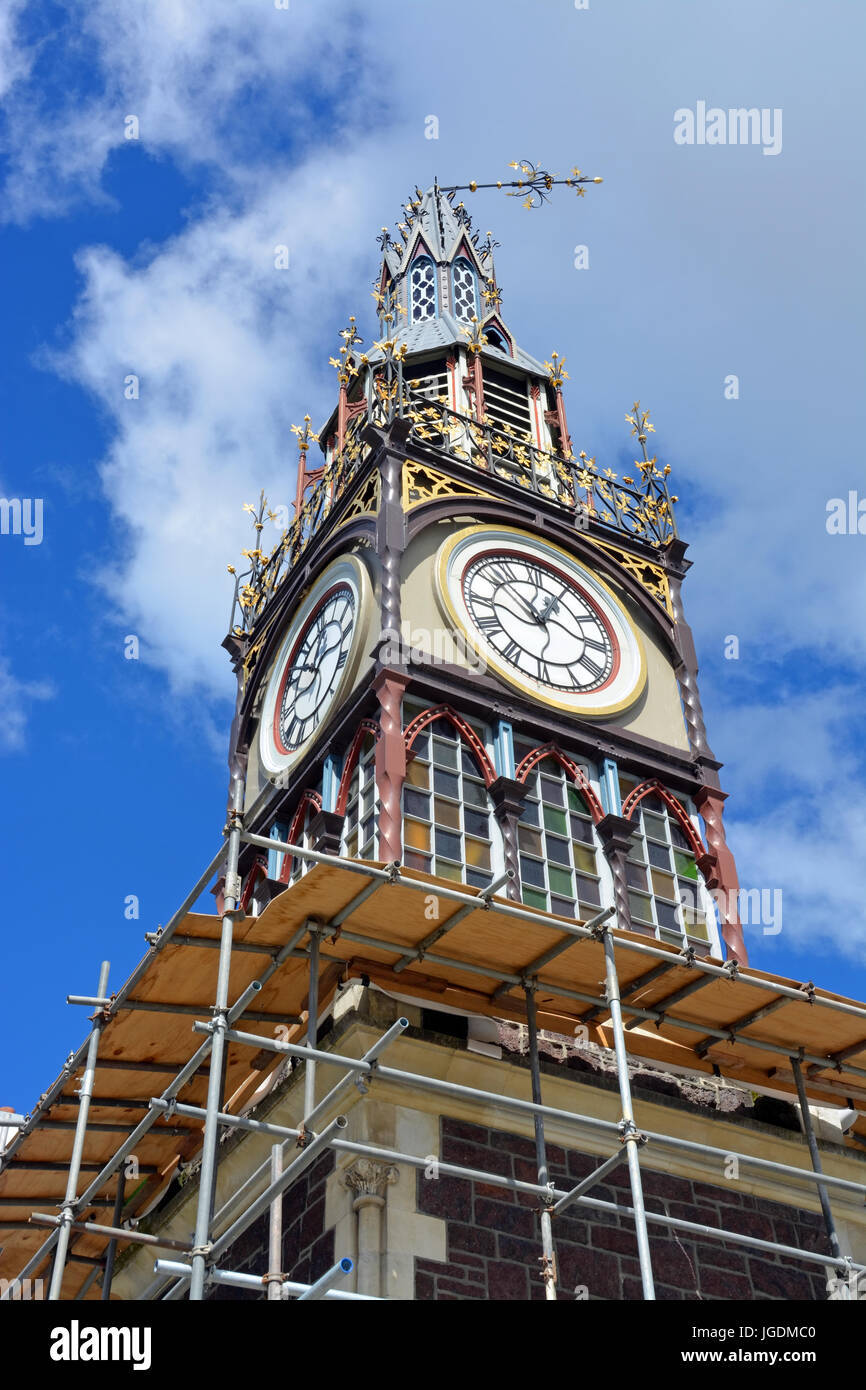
(84, 1094)
(207, 1179)
(630, 1133)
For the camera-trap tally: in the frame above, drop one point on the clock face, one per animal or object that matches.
(541, 620)
(317, 658)
(314, 669)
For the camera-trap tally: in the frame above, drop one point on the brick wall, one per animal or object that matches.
(494, 1244)
(308, 1249)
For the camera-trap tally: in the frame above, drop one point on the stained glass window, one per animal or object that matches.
(465, 297)
(448, 827)
(663, 877)
(559, 869)
(359, 826)
(422, 289)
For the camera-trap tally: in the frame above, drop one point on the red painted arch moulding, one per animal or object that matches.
(576, 773)
(308, 798)
(428, 716)
(655, 787)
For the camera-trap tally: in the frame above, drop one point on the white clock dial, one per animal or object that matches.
(541, 620)
(538, 620)
(317, 658)
(313, 672)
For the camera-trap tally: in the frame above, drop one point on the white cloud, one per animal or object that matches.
(14, 60)
(203, 81)
(798, 822)
(16, 697)
(225, 347)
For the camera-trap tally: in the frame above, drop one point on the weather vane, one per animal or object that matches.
(533, 186)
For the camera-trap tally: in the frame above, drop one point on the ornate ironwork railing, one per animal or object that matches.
(639, 506)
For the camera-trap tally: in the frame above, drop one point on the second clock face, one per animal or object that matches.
(316, 660)
(542, 620)
(314, 669)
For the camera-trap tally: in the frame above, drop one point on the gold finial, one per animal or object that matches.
(476, 339)
(305, 435)
(556, 370)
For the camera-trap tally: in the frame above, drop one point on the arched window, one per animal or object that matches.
(448, 826)
(497, 340)
(422, 289)
(465, 293)
(666, 890)
(559, 856)
(299, 834)
(359, 826)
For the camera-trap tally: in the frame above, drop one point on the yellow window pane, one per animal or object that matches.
(446, 813)
(477, 854)
(416, 835)
(696, 925)
(584, 859)
(418, 774)
(451, 871)
(663, 884)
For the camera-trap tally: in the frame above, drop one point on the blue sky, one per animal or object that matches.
(306, 127)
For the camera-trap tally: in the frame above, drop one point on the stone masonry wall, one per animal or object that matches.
(494, 1244)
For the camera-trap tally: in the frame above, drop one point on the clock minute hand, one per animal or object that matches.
(524, 603)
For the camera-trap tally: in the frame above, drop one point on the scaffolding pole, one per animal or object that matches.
(312, 1023)
(548, 1256)
(220, 1032)
(630, 1135)
(219, 1023)
(67, 1210)
(559, 1196)
(112, 1244)
(814, 1154)
(275, 1230)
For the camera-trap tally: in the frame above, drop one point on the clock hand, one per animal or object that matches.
(521, 600)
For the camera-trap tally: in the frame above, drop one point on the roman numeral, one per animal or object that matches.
(512, 651)
(590, 665)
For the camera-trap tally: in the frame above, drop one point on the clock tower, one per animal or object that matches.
(467, 652)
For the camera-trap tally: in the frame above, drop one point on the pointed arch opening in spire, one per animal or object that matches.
(423, 299)
(464, 290)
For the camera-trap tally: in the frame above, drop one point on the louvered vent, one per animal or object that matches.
(506, 401)
(432, 378)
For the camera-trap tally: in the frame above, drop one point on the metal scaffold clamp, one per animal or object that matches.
(630, 1134)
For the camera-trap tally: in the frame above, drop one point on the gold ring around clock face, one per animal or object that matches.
(541, 620)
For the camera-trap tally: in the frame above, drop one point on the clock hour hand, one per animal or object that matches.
(524, 603)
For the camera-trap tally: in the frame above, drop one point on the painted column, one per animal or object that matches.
(720, 871)
(615, 834)
(368, 1179)
(326, 832)
(508, 797)
(390, 762)
(687, 672)
(391, 538)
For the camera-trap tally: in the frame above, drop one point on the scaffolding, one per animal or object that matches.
(311, 934)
